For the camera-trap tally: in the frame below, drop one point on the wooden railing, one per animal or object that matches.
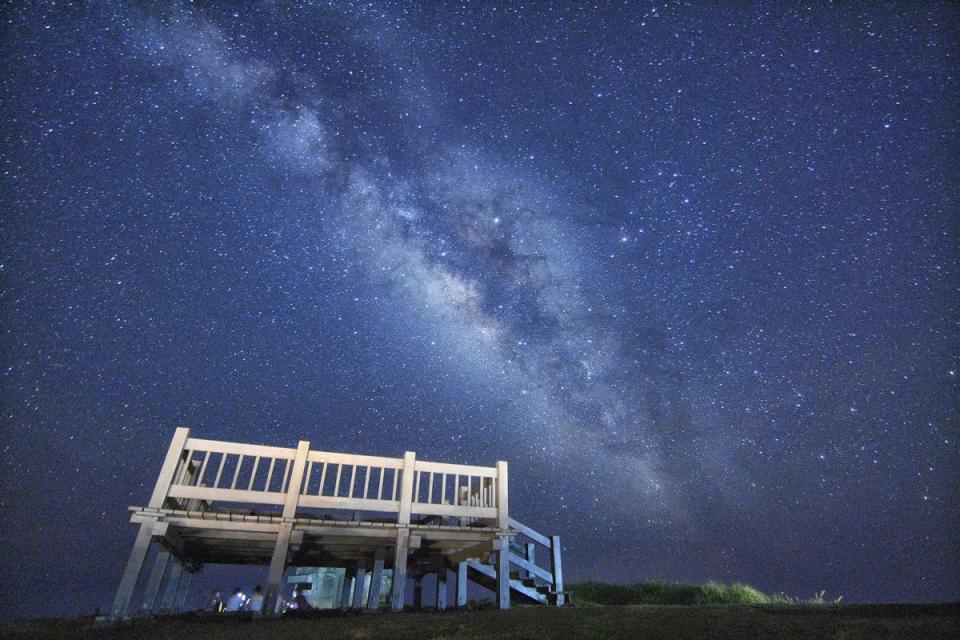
(199, 472)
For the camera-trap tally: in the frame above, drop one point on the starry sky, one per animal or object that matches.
(691, 269)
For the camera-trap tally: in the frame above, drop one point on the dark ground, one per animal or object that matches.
(849, 622)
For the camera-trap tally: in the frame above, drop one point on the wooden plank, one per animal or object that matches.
(503, 497)
(354, 459)
(398, 593)
(503, 575)
(323, 478)
(462, 469)
(462, 568)
(253, 474)
(453, 510)
(169, 467)
(223, 460)
(376, 579)
(199, 444)
(336, 485)
(383, 472)
(530, 567)
(296, 479)
(226, 495)
(273, 461)
(236, 473)
(530, 533)
(406, 493)
(350, 503)
(353, 479)
(121, 603)
(556, 566)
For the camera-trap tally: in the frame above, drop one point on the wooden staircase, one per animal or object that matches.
(529, 582)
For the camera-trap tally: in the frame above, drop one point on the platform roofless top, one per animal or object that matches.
(232, 503)
(204, 472)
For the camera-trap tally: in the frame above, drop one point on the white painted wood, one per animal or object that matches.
(183, 590)
(556, 568)
(156, 578)
(376, 579)
(406, 491)
(503, 575)
(296, 479)
(398, 594)
(441, 589)
(422, 508)
(121, 603)
(170, 586)
(503, 497)
(239, 448)
(359, 588)
(531, 568)
(347, 590)
(462, 569)
(170, 463)
(278, 563)
(227, 495)
(461, 469)
(530, 533)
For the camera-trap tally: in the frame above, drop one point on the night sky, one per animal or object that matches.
(692, 270)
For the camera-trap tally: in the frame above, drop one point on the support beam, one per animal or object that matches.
(441, 589)
(358, 588)
(170, 586)
(462, 584)
(376, 579)
(183, 590)
(121, 603)
(557, 569)
(503, 496)
(346, 590)
(399, 592)
(170, 463)
(531, 554)
(503, 574)
(406, 487)
(418, 593)
(156, 578)
(278, 562)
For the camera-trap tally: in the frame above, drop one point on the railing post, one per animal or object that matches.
(556, 568)
(503, 499)
(169, 467)
(278, 562)
(406, 489)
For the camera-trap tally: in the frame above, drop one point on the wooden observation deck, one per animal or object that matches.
(231, 503)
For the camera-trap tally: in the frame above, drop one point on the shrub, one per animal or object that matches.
(669, 593)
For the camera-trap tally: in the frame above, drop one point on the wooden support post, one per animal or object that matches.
(398, 593)
(278, 563)
(121, 603)
(556, 568)
(418, 593)
(183, 590)
(169, 468)
(170, 588)
(531, 557)
(503, 574)
(376, 579)
(345, 591)
(358, 588)
(406, 490)
(503, 499)
(296, 480)
(441, 589)
(462, 569)
(156, 578)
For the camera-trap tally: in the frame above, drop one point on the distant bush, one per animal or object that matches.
(655, 592)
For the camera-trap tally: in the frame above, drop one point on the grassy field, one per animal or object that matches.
(930, 622)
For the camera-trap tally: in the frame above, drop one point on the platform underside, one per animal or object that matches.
(249, 537)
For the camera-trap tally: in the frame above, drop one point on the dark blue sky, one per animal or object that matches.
(692, 270)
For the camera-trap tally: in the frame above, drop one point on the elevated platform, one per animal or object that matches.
(230, 503)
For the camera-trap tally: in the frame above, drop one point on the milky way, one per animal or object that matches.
(692, 272)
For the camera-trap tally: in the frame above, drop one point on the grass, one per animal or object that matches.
(669, 593)
(850, 622)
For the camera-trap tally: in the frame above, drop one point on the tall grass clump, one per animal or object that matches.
(669, 593)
